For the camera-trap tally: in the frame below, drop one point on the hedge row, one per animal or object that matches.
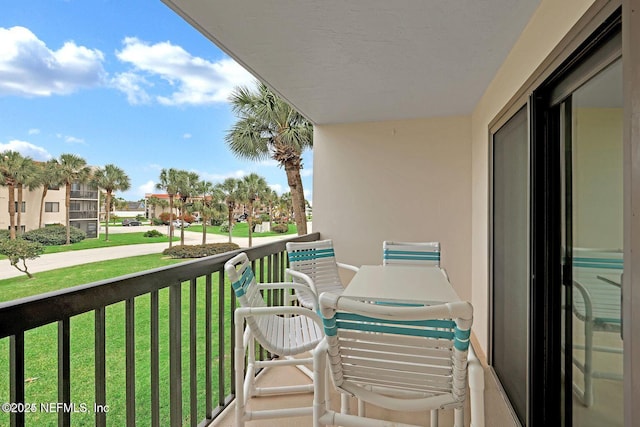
(54, 235)
(199, 251)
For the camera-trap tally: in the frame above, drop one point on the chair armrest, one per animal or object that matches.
(282, 310)
(586, 297)
(348, 266)
(300, 287)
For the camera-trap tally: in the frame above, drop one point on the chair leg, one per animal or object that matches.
(434, 418)
(239, 375)
(458, 417)
(588, 363)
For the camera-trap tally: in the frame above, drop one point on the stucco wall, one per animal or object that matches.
(396, 180)
(551, 22)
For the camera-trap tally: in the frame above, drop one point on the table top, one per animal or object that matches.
(401, 283)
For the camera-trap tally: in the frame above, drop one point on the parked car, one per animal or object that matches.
(178, 223)
(241, 217)
(130, 222)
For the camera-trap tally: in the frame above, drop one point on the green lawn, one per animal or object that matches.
(41, 346)
(115, 239)
(241, 229)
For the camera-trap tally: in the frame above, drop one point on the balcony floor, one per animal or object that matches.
(496, 410)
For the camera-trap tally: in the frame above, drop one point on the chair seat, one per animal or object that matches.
(288, 336)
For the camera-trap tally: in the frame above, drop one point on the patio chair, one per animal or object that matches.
(314, 264)
(596, 302)
(285, 331)
(412, 253)
(403, 358)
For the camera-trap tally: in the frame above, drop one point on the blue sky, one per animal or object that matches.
(126, 82)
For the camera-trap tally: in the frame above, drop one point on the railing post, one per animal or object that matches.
(193, 336)
(155, 360)
(175, 354)
(130, 333)
(100, 366)
(16, 376)
(64, 370)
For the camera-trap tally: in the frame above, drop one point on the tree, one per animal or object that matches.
(268, 127)
(169, 183)
(21, 250)
(230, 190)
(110, 178)
(72, 169)
(208, 205)
(49, 177)
(11, 173)
(253, 188)
(27, 176)
(187, 182)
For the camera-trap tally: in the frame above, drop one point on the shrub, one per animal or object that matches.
(21, 250)
(140, 217)
(280, 228)
(199, 251)
(167, 217)
(54, 235)
(156, 221)
(265, 217)
(153, 233)
(4, 235)
(224, 227)
(187, 218)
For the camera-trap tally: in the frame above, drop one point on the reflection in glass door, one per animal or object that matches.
(591, 123)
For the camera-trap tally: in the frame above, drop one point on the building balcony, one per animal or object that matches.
(83, 194)
(152, 348)
(83, 214)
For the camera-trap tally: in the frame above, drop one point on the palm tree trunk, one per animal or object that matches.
(170, 220)
(107, 209)
(292, 169)
(249, 221)
(45, 188)
(230, 208)
(19, 211)
(67, 201)
(12, 212)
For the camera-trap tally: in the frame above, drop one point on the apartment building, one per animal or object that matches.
(83, 212)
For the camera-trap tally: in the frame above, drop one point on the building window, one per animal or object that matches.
(53, 187)
(52, 207)
(24, 206)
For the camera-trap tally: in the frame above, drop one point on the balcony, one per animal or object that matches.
(83, 214)
(168, 354)
(79, 194)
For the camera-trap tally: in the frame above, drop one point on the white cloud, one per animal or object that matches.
(187, 136)
(29, 68)
(147, 187)
(306, 172)
(308, 194)
(277, 188)
(73, 140)
(192, 80)
(133, 86)
(33, 131)
(26, 149)
(215, 177)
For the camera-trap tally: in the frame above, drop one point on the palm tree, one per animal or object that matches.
(11, 164)
(49, 177)
(187, 182)
(253, 188)
(169, 183)
(110, 178)
(230, 193)
(73, 168)
(268, 127)
(205, 205)
(27, 176)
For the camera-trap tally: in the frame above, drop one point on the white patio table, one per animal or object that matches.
(424, 285)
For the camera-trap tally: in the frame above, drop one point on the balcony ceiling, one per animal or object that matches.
(347, 61)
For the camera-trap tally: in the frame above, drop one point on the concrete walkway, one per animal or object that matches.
(67, 259)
